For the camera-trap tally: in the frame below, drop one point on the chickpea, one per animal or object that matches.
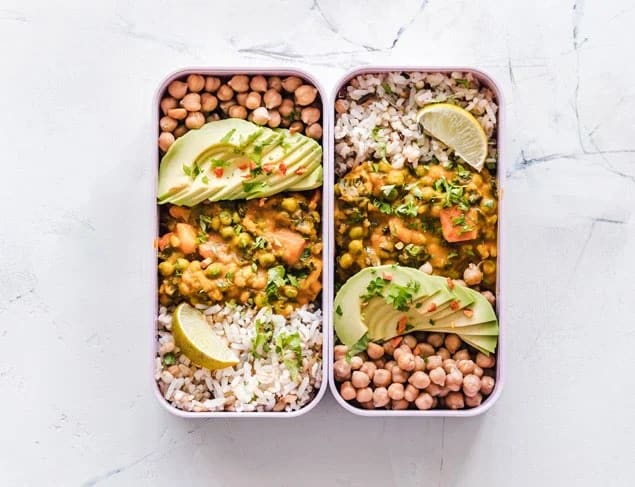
(275, 83)
(272, 98)
(369, 369)
(434, 389)
(274, 119)
(487, 385)
(346, 260)
(314, 131)
(226, 105)
(478, 372)
(180, 130)
(472, 275)
(474, 401)
(305, 95)
(390, 364)
(448, 365)
(177, 89)
(342, 370)
(380, 363)
(236, 111)
(208, 102)
(347, 391)
(340, 351)
(427, 267)
(241, 99)
(310, 115)
(389, 348)
(374, 351)
(380, 397)
(397, 353)
(239, 83)
(410, 393)
(452, 343)
(420, 364)
(167, 124)
(166, 268)
(166, 139)
(420, 380)
(465, 366)
(364, 395)
(435, 339)
(356, 362)
(438, 376)
(291, 83)
(424, 401)
(212, 83)
(434, 361)
(381, 378)
(225, 93)
(489, 296)
(398, 375)
(261, 116)
(195, 120)
(399, 405)
(177, 113)
(296, 126)
(168, 103)
(423, 350)
(258, 83)
(471, 385)
(463, 354)
(367, 405)
(454, 400)
(396, 391)
(406, 361)
(484, 361)
(360, 379)
(195, 82)
(253, 100)
(454, 380)
(286, 108)
(213, 117)
(341, 106)
(443, 353)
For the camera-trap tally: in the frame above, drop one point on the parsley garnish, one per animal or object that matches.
(359, 347)
(407, 209)
(251, 186)
(387, 88)
(259, 243)
(169, 359)
(375, 288)
(400, 296)
(275, 280)
(192, 171)
(338, 310)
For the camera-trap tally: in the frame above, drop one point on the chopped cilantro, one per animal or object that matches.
(465, 83)
(383, 206)
(201, 237)
(488, 203)
(359, 347)
(203, 221)
(387, 88)
(251, 186)
(259, 243)
(338, 310)
(375, 288)
(289, 345)
(407, 209)
(192, 171)
(292, 280)
(264, 334)
(275, 280)
(169, 359)
(401, 296)
(219, 163)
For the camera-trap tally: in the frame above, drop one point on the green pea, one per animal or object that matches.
(346, 261)
(166, 268)
(356, 232)
(428, 193)
(260, 300)
(289, 204)
(225, 218)
(421, 170)
(227, 232)
(266, 259)
(235, 217)
(244, 240)
(215, 224)
(181, 264)
(213, 270)
(395, 177)
(290, 292)
(355, 246)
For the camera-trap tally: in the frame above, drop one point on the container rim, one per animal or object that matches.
(488, 80)
(326, 271)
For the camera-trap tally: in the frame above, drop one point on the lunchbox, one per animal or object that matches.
(500, 285)
(326, 252)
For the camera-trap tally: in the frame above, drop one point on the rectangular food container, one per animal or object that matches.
(327, 280)
(486, 80)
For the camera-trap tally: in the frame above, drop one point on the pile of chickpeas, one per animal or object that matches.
(271, 101)
(416, 371)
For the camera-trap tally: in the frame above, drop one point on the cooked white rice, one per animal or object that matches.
(381, 116)
(254, 384)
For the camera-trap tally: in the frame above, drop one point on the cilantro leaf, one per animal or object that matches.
(359, 347)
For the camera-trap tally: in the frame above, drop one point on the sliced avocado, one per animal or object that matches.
(480, 311)
(490, 328)
(312, 181)
(485, 344)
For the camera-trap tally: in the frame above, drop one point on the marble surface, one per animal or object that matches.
(77, 80)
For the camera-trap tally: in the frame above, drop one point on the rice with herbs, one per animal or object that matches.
(376, 117)
(269, 376)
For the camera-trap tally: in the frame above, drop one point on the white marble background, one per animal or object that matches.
(76, 82)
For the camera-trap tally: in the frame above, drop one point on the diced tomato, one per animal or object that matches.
(468, 312)
(454, 232)
(164, 241)
(300, 171)
(242, 166)
(290, 244)
(454, 305)
(282, 168)
(218, 172)
(432, 307)
(179, 212)
(450, 283)
(396, 341)
(267, 169)
(387, 276)
(187, 237)
(401, 324)
(252, 165)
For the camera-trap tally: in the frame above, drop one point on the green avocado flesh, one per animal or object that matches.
(387, 301)
(235, 159)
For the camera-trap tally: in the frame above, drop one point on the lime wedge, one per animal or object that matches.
(458, 129)
(196, 339)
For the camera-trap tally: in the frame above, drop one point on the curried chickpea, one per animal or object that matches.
(410, 393)
(472, 275)
(443, 353)
(463, 354)
(191, 102)
(369, 369)
(420, 364)
(356, 362)
(487, 385)
(454, 380)
(342, 370)
(424, 401)
(274, 119)
(438, 376)
(375, 351)
(484, 361)
(226, 105)
(195, 120)
(274, 82)
(305, 95)
(167, 103)
(364, 395)
(471, 385)
(406, 361)
(347, 391)
(208, 102)
(465, 366)
(253, 100)
(380, 397)
(261, 116)
(341, 106)
(399, 404)
(396, 391)
(435, 339)
(454, 400)
(420, 380)
(272, 98)
(452, 343)
(340, 351)
(225, 93)
(195, 82)
(258, 83)
(398, 375)
(167, 124)
(236, 111)
(177, 89)
(291, 83)
(177, 113)
(239, 83)
(474, 401)
(381, 378)
(212, 83)
(310, 115)
(398, 353)
(434, 361)
(360, 379)
(166, 139)
(410, 341)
